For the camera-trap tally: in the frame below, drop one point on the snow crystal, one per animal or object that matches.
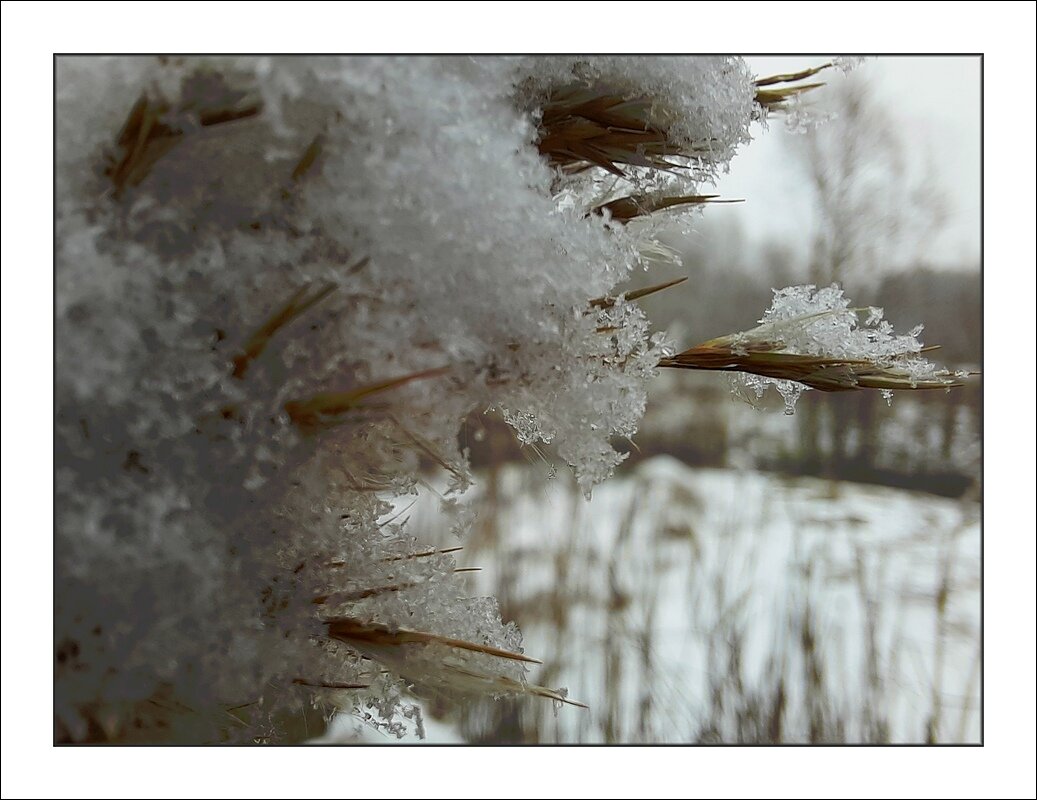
(805, 320)
(266, 235)
(848, 63)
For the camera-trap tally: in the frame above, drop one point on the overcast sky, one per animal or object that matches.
(936, 100)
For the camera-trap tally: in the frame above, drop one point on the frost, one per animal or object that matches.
(802, 117)
(848, 63)
(815, 321)
(790, 392)
(281, 285)
(705, 102)
(834, 351)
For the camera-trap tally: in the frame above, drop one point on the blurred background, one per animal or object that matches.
(749, 576)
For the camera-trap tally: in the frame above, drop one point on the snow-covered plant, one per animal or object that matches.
(812, 339)
(282, 285)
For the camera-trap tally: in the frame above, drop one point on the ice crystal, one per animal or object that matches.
(281, 286)
(840, 352)
(848, 63)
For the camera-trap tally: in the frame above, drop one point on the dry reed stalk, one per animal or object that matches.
(502, 683)
(360, 594)
(826, 373)
(150, 131)
(144, 139)
(775, 99)
(636, 294)
(329, 684)
(627, 208)
(407, 556)
(308, 158)
(296, 305)
(584, 128)
(353, 631)
(425, 553)
(580, 129)
(321, 409)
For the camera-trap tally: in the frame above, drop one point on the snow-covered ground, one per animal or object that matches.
(718, 605)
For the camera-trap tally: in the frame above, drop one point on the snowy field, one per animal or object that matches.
(695, 605)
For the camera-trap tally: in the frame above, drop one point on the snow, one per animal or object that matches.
(694, 566)
(805, 320)
(245, 247)
(282, 284)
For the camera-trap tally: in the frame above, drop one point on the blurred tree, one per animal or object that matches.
(871, 213)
